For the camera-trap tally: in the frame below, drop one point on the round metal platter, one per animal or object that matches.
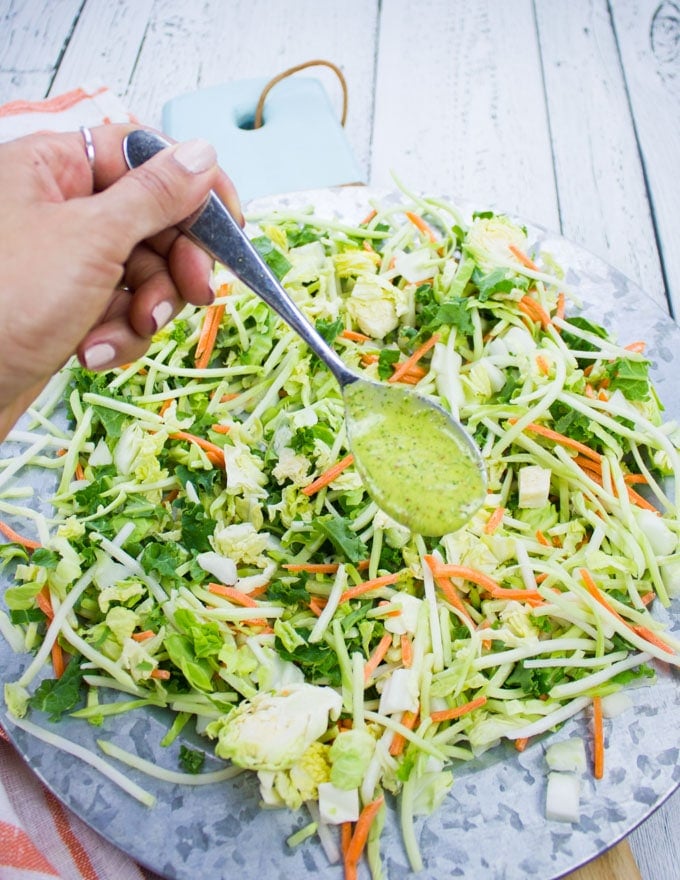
(493, 823)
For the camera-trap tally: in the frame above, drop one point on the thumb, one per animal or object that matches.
(158, 194)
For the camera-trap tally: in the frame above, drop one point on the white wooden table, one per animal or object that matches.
(566, 112)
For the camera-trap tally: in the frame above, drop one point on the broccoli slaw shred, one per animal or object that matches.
(212, 549)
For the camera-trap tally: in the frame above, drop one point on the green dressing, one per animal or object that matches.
(413, 458)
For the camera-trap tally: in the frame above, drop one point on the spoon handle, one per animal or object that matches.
(216, 231)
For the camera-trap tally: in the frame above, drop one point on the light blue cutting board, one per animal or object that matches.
(301, 144)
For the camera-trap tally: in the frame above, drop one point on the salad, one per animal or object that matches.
(212, 550)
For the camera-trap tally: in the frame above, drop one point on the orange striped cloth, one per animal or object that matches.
(40, 839)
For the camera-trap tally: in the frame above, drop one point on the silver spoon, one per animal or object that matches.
(417, 462)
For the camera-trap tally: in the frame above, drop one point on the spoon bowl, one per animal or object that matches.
(417, 462)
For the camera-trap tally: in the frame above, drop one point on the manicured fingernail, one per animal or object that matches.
(99, 355)
(161, 314)
(196, 156)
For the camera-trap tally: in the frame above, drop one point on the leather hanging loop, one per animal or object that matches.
(318, 62)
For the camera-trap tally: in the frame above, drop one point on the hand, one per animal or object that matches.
(92, 262)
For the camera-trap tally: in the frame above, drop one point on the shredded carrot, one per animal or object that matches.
(648, 598)
(637, 347)
(206, 341)
(258, 591)
(652, 638)
(494, 521)
(457, 711)
(406, 650)
(165, 406)
(602, 395)
(452, 597)
(408, 719)
(227, 397)
(60, 453)
(161, 674)
(562, 439)
(541, 577)
(541, 538)
(232, 593)
(367, 219)
(598, 739)
(360, 836)
(79, 473)
(639, 501)
(44, 602)
(16, 538)
(486, 643)
(561, 305)
(58, 659)
(366, 586)
(543, 364)
(421, 225)
(535, 310)
(355, 336)
(410, 362)
(317, 605)
(486, 583)
(377, 656)
(170, 497)
(345, 837)
(522, 257)
(328, 476)
(521, 743)
(143, 636)
(220, 429)
(214, 452)
(589, 391)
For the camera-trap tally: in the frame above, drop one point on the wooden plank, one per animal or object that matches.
(648, 34)
(104, 45)
(460, 106)
(617, 863)
(602, 195)
(655, 843)
(34, 34)
(189, 46)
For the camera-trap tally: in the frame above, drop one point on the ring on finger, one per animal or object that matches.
(88, 143)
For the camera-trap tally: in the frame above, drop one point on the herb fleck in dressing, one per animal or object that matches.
(413, 461)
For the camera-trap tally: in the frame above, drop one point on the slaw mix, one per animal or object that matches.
(213, 551)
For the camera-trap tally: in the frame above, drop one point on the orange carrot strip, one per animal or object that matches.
(408, 719)
(79, 473)
(406, 650)
(58, 659)
(452, 597)
(232, 593)
(421, 225)
(16, 538)
(377, 656)
(214, 452)
(535, 310)
(44, 602)
(143, 636)
(598, 595)
(486, 643)
(494, 521)
(541, 538)
(165, 406)
(227, 397)
(458, 711)
(639, 501)
(161, 674)
(366, 586)
(328, 476)
(220, 429)
(208, 337)
(355, 336)
(317, 605)
(598, 739)
(521, 743)
(60, 453)
(406, 366)
(463, 571)
(562, 439)
(543, 364)
(648, 598)
(345, 837)
(561, 305)
(367, 219)
(358, 841)
(652, 638)
(522, 257)
(637, 347)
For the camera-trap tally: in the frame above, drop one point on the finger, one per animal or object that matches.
(111, 344)
(190, 268)
(110, 165)
(156, 299)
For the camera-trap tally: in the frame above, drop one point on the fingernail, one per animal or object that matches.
(196, 156)
(161, 314)
(99, 355)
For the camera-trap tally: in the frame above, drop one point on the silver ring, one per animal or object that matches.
(89, 146)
